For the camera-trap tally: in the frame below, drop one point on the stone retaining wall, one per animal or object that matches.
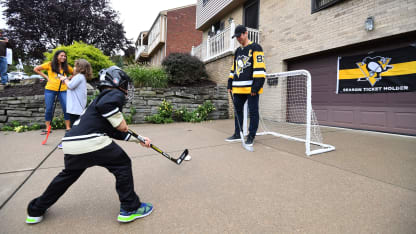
(146, 101)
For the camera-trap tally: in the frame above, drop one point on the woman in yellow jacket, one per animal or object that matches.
(56, 68)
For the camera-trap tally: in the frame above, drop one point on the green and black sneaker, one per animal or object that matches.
(33, 220)
(127, 216)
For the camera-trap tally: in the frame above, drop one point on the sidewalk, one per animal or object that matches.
(367, 185)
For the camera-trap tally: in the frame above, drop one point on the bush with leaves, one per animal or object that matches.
(80, 50)
(144, 76)
(58, 122)
(164, 114)
(198, 115)
(17, 127)
(129, 117)
(184, 69)
(167, 114)
(11, 126)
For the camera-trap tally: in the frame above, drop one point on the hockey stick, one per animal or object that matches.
(53, 112)
(249, 148)
(178, 161)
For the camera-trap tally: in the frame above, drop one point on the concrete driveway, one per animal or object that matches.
(367, 185)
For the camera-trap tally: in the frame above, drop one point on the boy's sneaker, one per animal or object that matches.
(250, 140)
(233, 138)
(60, 146)
(33, 220)
(127, 216)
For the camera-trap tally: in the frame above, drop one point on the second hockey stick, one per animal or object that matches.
(245, 146)
(53, 112)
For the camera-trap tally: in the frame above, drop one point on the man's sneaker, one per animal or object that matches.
(233, 138)
(60, 146)
(250, 140)
(33, 220)
(127, 216)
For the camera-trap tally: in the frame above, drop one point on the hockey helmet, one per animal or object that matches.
(116, 78)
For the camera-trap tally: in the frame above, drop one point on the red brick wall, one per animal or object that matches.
(181, 32)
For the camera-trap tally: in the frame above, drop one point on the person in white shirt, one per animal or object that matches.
(77, 89)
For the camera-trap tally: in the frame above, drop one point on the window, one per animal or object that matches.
(318, 5)
(216, 28)
(251, 14)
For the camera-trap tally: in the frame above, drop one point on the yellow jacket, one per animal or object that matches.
(53, 83)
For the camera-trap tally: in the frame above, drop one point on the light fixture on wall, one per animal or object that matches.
(369, 23)
(230, 20)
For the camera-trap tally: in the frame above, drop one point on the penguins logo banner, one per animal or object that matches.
(380, 72)
(372, 68)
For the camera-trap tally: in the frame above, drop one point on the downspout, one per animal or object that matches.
(166, 35)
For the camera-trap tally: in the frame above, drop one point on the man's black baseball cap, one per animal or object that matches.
(238, 30)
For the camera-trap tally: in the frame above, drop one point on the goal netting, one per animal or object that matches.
(286, 110)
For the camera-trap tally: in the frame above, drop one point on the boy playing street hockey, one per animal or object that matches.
(89, 144)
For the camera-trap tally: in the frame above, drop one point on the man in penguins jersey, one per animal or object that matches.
(245, 81)
(89, 143)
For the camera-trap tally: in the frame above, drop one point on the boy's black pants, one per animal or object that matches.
(111, 157)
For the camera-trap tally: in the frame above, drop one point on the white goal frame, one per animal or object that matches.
(311, 120)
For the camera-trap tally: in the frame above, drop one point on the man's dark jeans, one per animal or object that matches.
(253, 110)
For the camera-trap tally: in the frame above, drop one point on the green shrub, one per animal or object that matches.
(167, 114)
(184, 69)
(17, 127)
(34, 127)
(14, 123)
(201, 113)
(129, 117)
(90, 53)
(164, 114)
(58, 122)
(143, 76)
(198, 115)
(7, 128)
(182, 115)
(21, 128)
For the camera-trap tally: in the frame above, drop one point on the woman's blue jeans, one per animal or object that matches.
(3, 70)
(50, 102)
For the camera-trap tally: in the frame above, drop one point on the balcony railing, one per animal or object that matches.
(140, 50)
(222, 43)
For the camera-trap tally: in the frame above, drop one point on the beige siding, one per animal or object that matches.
(236, 14)
(289, 30)
(157, 57)
(204, 13)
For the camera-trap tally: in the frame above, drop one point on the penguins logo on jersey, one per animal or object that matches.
(372, 68)
(242, 62)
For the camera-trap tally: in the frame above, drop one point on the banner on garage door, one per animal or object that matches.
(378, 72)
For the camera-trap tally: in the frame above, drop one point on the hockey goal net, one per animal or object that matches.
(286, 110)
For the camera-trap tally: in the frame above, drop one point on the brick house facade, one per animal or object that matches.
(181, 32)
(172, 31)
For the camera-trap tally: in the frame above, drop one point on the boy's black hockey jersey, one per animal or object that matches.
(248, 71)
(97, 124)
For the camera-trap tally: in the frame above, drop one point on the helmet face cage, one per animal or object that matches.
(130, 91)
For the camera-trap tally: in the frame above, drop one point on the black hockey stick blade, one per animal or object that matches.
(182, 157)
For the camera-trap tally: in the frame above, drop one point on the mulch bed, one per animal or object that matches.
(18, 90)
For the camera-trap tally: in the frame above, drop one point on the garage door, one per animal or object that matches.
(385, 112)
